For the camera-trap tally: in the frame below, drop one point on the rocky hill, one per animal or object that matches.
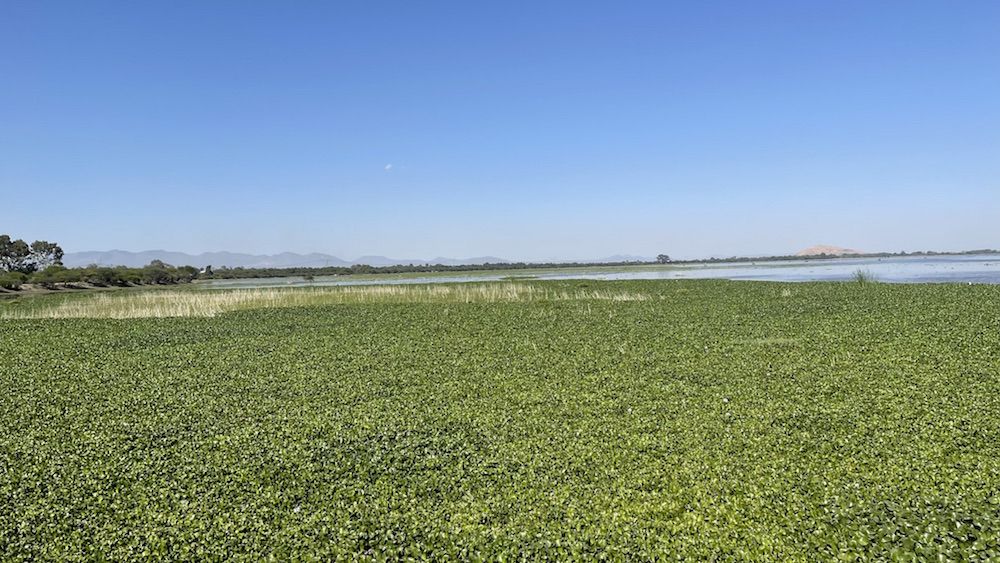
(826, 249)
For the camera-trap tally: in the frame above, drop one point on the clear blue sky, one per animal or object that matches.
(527, 130)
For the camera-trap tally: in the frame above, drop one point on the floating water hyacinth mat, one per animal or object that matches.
(705, 420)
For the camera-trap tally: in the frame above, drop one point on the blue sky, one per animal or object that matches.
(527, 130)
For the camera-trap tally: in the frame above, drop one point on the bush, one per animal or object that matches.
(103, 276)
(12, 280)
(55, 274)
(156, 275)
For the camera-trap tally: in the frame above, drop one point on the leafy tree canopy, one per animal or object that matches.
(19, 256)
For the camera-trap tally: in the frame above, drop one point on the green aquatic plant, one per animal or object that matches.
(709, 420)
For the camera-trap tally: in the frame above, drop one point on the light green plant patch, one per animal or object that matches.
(768, 341)
(186, 303)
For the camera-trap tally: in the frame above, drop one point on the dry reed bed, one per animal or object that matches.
(181, 303)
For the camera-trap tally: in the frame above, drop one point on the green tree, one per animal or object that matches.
(19, 256)
(662, 258)
(50, 276)
(14, 254)
(186, 273)
(156, 273)
(45, 254)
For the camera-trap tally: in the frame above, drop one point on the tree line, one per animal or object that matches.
(40, 263)
(155, 273)
(243, 272)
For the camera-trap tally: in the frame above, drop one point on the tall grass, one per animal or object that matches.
(863, 277)
(181, 303)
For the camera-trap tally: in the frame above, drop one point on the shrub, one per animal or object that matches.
(12, 280)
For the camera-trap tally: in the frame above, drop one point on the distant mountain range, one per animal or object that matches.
(283, 260)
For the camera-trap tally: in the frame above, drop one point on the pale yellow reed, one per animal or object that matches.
(208, 303)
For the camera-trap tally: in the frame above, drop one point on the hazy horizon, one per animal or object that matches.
(472, 259)
(536, 132)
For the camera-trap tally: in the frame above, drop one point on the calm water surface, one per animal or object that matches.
(973, 268)
(935, 269)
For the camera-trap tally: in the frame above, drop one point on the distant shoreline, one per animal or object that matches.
(518, 269)
(244, 272)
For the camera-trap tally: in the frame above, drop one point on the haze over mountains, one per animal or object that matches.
(283, 260)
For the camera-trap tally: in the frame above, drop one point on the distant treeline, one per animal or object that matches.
(241, 273)
(40, 263)
(101, 276)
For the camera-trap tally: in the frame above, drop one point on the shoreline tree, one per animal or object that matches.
(21, 257)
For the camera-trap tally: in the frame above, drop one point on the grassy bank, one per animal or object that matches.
(703, 419)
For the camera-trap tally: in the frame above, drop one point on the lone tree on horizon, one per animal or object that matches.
(662, 258)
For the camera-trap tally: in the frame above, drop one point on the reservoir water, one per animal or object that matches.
(971, 268)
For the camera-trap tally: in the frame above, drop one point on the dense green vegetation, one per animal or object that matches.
(18, 259)
(707, 420)
(57, 276)
(156, 272)
(40, 263)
